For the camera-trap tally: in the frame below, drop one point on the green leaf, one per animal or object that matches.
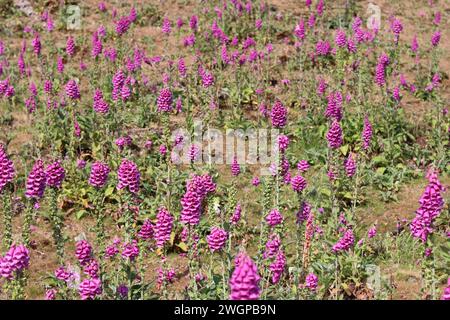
(344, 149)
(109, 191)
(81, 214)
(325, 191)
(182, 246)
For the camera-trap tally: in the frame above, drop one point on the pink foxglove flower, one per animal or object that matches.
(99, 174)
(7, 171)
(278, 115)
(431, 205)
(244, 282)
(163, 227)
(311, 281)
(274, 218)
(36, 181)
(90, 288)
(334, 135)
(350, 166)
(55, 174)
(217, 239)
(346, 242)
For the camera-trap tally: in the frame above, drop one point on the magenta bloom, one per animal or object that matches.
(191, 207)
(118, 81)
(274, 218)
(340, 39)
(83, 252)
(367, 133)
(299, 30)
(16, 259)
(196, 190)
(396, 27)
(125, 92)
(70, 46)
(182, 67)
(166, 26)
(321, 87)
(431, 205)
(380, 70)
(146, 231)
(346, 242)
(283, 142)
(91, 268)
(72, 90)
(165, 100)
(163, 227)
(100, 105)
(130, 250)
(129, 176)
(36, 181)
(55, 174)
(323, 48)
(217, 239)
(278, 115)
(334, 106)
(350, 166)
(272, 246)
(235, 167)
(372, 232)
(207, 79)
(7, 171)
(48, 86)
(193, 23)
(277, 267)
(122, 25)
(236, 215)
(446, 293)
(436, 38)
(311, 281)
(244, 282)
(62, 274)
(334, 135)
(303, 166)
(99, 174)
(414, 44)
(36, 43)
(111, 251)
(298, 183)
(351, 46)
(90, 288)
(5, 269)
(50, 294)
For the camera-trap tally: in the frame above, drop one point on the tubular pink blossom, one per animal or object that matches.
(36, 181)
(431, 205)
(278, 115)
(129, 176)
(334, 135)
(165, 100)
(274, 218)
(90, 288)
(350, 166)
(99, 174)
(7, 171)
(346, 242)
(55, 174)
(163, 227)
(298, 183)
(216, 239)
(244, 282)
(367, 133)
